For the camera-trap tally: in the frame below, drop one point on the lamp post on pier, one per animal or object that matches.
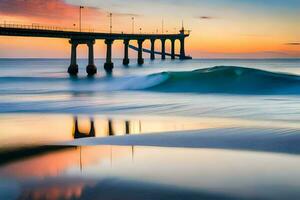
(80, 8)
(132, 25)
(110, 23)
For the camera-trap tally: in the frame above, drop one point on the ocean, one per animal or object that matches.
(192, 129)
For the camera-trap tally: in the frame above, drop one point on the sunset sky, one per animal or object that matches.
(220, 28)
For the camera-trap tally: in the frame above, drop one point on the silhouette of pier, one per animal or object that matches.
(89, 37)
(158, 52)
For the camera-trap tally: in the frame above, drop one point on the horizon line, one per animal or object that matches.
(194, 58)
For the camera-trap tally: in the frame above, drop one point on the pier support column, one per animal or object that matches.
(163, 49)
(91, 68)
(126, 58)
(172, 49)
(140, 52)
(152, 55)
(182, 49)
(108, 66)
(73, 68)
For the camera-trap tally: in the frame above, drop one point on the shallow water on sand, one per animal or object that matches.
(138, 172)
(167, 130)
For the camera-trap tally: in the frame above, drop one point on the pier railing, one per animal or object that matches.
(37, 26)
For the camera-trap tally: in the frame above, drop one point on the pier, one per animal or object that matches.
(89, 38)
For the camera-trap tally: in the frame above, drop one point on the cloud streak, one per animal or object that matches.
(205, 17)
(128, 14)
(293, 44)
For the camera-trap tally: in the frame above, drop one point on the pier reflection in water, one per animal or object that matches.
(117, 172)
(31, 130)
(134, 172)
(105, 128)
(29, 135)
(34, 130)
(78, 134)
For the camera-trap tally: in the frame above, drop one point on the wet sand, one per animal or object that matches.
(251, 139)
(88, 157)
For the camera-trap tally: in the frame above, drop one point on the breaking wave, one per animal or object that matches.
(227, 79)
(220, 79)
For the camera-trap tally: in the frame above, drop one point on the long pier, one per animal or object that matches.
(89, 37)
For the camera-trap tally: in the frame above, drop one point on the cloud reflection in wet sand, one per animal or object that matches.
(169, 173)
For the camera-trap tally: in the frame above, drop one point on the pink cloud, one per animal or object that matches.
(50, 11)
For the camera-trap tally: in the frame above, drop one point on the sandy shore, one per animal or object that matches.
(269, 140)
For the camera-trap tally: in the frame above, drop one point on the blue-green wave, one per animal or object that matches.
(220, 79)
(228, 79)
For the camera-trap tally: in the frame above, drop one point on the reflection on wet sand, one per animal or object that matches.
(35, 130)
(66, 190)
(28, 135)
(39, 175)
(31, 169)
(105, 127)
(114, 172)
(18, 153)
(78, 134)
(54, 163)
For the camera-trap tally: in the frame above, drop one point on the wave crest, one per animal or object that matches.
(220, 79)
(228, 79)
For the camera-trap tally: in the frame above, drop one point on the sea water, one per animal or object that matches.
(220, 129)
(250, 89)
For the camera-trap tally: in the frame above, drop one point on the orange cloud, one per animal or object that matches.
(50, 11)
(293, 44)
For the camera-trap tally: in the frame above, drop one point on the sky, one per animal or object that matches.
(220, 28)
